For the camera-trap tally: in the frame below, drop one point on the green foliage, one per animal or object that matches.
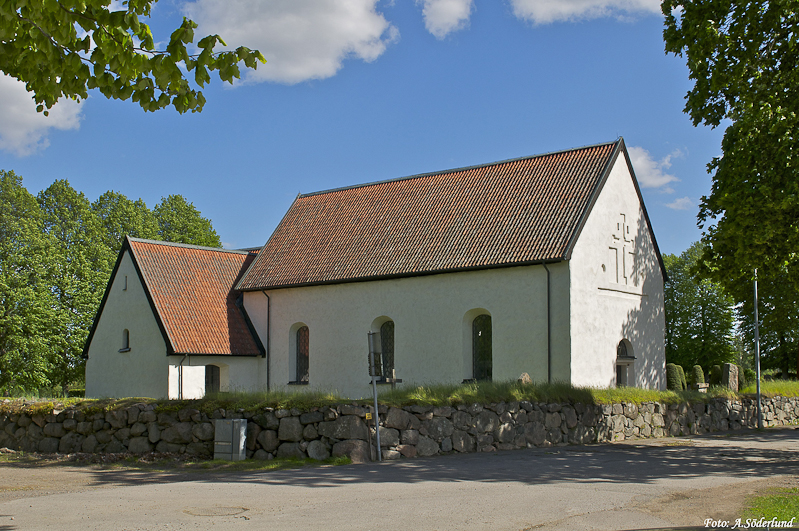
(63, 48)
(699, 314)
(79, 266)
(787, 388)
(26, 303)
(742, 58)
(778, 309)
(122, 217)
(427, 395)
(751, 376)
(673, 381)
(56, 255)
(782, 504)
(255, 401)
(698, 374)
(487, 392)
(179, 221)
(715, 375)
(683, 383)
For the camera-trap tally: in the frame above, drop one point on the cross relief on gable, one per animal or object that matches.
(621, 268)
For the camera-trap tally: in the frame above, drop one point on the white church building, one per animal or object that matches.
(545, 265)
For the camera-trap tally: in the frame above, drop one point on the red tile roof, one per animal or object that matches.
(506, 213)
(191, 289)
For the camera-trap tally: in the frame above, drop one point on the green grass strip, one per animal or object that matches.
(782, 505)
(424, 395)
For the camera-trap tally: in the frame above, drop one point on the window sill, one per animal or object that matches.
(297, 383)
(387, 381)
(124, 349)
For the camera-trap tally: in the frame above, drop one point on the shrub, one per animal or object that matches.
(673, 381)
(751, 376)
(698, 374)
(683, 383)
(715, 375)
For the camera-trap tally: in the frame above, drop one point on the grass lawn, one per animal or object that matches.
(424, 395)
(782, 504)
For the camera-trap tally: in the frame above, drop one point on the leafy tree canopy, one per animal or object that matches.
(778, 308)
(63, 48)
(56, 254)
(742, 57)
(79, 268)
(26, 303)
(179, 221)
(120, 217)
(699, 314)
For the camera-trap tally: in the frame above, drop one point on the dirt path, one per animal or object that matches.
(717, 503)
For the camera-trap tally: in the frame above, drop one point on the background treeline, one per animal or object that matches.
(57, 250)
(709, 324)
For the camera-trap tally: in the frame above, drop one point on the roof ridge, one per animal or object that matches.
(454, 170)
(188, 246)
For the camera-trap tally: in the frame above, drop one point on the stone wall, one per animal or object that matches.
(404, 432)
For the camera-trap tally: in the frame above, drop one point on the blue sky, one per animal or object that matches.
(362, 90)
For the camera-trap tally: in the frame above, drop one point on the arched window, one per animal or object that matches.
(481, 347)
(302, 355)
(624, 363)
(387, 349)
(212, 379)
(125, 341)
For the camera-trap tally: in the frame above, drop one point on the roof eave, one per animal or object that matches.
(646, 215)
(261, 254)
(594, 196)
(95, 322)
(406, 275)
(217, 354)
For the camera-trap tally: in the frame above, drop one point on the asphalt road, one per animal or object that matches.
(636, 485)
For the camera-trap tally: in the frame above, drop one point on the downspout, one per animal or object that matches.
(180, 377)
(268, 332)
(549, 329)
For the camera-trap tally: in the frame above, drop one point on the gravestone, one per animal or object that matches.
(730, 376)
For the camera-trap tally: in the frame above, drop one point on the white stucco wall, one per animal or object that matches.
(432, 341)
(140, 372)
(235, 374)
(146, 370)
(616, 290)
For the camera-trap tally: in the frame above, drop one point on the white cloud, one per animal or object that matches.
(683, 203)
(442, 17)
(23, 130)
(650, 172)
(547, 11)
(301, 39)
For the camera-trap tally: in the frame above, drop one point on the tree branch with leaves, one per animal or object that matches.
(743, 58)
(65, 48)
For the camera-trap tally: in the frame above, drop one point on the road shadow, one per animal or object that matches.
(741, 454)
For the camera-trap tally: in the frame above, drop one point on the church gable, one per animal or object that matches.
(616, 289)
(191, 296)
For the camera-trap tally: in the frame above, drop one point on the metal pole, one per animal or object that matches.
(372, 372)
(757, 360)
(549, 330)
